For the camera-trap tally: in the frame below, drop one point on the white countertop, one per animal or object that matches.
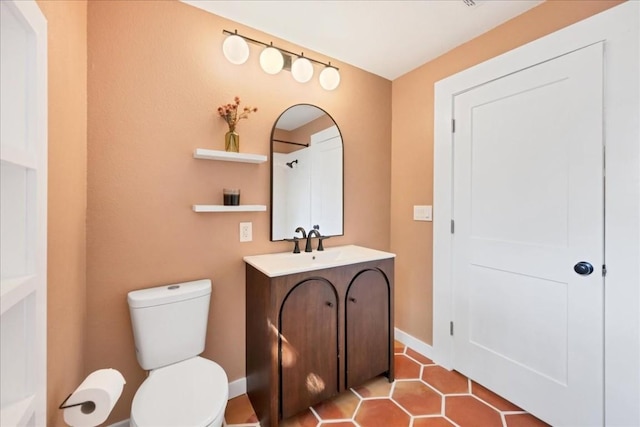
(283, 263)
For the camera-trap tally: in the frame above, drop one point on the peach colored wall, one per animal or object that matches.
(156, 77)
(412, 149)
(67, 199)
(301, 135)
(284, 148)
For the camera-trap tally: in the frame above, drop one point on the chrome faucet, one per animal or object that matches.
(313, 232)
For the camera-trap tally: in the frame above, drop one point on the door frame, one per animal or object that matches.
(618, 27)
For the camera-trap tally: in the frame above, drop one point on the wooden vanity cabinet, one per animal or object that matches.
(367, 328)
(308, 345)
(312, 335)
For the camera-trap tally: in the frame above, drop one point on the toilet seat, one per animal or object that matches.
(193, 392)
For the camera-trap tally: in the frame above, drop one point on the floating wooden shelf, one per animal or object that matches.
(225, 156)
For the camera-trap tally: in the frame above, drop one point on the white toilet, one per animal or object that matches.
(169, 329)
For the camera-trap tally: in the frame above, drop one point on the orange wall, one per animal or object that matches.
(412, 149)
(300, 135)
(156, 77)
(67, 44)
(303, 133)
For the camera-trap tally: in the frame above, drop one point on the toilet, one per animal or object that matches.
(169, 330)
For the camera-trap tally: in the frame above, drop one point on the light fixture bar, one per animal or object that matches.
(301, 55)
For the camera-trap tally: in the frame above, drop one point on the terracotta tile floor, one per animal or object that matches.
(423, 395)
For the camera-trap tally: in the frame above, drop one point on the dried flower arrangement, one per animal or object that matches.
(232, 115)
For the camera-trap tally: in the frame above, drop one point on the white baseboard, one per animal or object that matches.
(414, 343)
(237, 387)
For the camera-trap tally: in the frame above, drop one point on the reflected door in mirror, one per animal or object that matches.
(307, 173)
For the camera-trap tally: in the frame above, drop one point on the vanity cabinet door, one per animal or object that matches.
(367, 327)
(308, 356)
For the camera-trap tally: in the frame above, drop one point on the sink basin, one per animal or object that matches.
(283, 263)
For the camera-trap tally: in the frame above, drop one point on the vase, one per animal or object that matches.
(232, 142)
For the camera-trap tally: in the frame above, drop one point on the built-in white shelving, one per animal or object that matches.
(18, 157)
(225, 156)
(14, 290)
(222, 208)
(19, 413)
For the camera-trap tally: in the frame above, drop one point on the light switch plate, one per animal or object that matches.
(422, 212)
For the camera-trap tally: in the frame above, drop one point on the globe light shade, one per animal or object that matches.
(329, 78)
(236, 50)
(271, 60)
(302, 70)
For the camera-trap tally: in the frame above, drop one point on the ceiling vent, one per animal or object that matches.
(472, 3)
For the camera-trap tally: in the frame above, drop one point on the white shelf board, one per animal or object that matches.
(14, 290)
(19, 413)
(18, 157)
(203, 153)
(222, 208)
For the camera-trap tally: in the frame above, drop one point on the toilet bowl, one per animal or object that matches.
(169, 330)
(189, 393)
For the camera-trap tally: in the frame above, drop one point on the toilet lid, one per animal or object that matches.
(189, 393)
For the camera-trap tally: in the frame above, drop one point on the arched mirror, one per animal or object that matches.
(306, 173)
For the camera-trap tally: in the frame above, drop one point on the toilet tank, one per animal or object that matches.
(169, 322)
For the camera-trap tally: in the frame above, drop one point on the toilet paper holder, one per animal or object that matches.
(90, 408)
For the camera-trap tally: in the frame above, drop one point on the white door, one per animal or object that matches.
(528, 207)
(326, 181)
(23, 213)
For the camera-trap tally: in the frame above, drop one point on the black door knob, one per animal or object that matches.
(583, 268)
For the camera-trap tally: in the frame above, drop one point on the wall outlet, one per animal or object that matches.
(246, 232)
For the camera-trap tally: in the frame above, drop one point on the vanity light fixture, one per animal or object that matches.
(235, 49)
(329, 78)
(302, 69)
(273, 59)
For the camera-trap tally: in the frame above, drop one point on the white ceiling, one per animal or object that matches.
(387, 38)
(302, 114)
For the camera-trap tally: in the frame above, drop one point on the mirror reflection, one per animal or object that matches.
(306, 173)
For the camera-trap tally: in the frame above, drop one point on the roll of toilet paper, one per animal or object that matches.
(100, 391)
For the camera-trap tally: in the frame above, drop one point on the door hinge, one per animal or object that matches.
(453, 226)
(604, 270)
(451, 328)
(453, 125)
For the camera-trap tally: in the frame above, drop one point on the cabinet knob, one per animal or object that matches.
(353, 300)
(329, 303)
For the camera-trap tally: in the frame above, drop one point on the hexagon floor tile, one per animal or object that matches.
(423, 395)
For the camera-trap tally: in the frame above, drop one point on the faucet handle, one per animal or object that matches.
(320, 239)
(296, 248)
